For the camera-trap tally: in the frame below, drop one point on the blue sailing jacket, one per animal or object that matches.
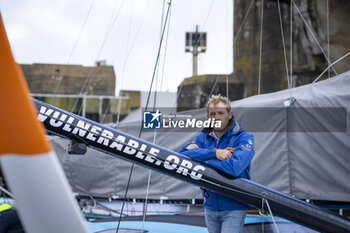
(238, 142)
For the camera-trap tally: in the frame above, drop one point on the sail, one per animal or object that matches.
(43, 196)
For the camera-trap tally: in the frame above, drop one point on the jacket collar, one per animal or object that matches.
(234, 128)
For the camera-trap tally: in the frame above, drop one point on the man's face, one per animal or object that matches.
(218, 112)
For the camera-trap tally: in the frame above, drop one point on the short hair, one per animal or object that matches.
(215, 99)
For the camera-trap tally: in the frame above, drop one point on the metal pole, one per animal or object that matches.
(195, 60)
(233, 38)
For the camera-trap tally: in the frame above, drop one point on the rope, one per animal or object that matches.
(148, 97)
(204, 24)
(233, 32)
(283, 42)
(165, 51)
(155, 132)
(227, 44)
(145, 203)
(6, 191)
(329, 51)
(244, 19)
(73, 49)
(123, 69)
(157, 59)
(263, 201)
(240, 28)
(260, 49)
(148, 185)
(212, 89)
(126, 61)
(262, 215)
(126, 192)
(273, 219)
(140, 211)
(308, 27)
(157, 68)
(112, 21)
(291, 47)
(331, 65)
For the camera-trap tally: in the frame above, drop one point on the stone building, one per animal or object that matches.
(195, 91)
(83, 90)
(309, 58)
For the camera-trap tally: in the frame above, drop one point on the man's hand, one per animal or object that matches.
(191, 146)
(223, 154)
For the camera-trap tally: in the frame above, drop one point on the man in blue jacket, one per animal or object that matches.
(230, 149)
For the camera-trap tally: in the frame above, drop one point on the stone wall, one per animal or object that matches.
(308, 59)
(70, 79)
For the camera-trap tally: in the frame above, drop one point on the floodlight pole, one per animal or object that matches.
(195, 58)
(195, 43)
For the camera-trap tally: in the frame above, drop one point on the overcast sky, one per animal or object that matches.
(42, 31)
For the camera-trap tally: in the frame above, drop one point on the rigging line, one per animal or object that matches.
(73, 49)
(242, 24)
(283, 42)
(178, 95)
(157, 59)
(235, 38)
(308, 27)
(244, 20)
(105, 113)
(115, 125)
(310, 85)
(126, 191)
(149, 93)
(108, 32)
(212, 89)
(227, 85)
(6, 191)
(273, 219)
(165, 51)
(206, 19)
(233, 32)
(291, 48)
(155, 132)
(204, 24)
(262, 215)
(209, 11)
(119, 102)
(145, 203)
(260, 49)
(127, 60)
(227, 43)
(218, 76)
(138, 30)
(147, 190)
(329, 51)
(108, 208)
(157, 75)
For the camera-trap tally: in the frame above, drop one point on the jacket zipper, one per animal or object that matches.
(216, 195)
